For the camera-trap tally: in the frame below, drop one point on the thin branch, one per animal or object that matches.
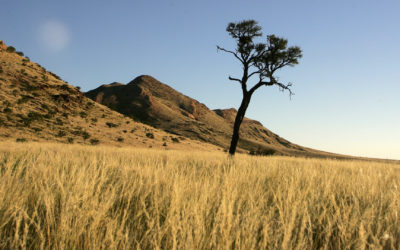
(234, 79)
(284, 87)
(233, 53)
(253, 73)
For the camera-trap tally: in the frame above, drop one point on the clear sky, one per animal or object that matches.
(346, 86)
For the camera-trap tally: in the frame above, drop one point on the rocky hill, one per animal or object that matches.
(148, 100)
(38, 105)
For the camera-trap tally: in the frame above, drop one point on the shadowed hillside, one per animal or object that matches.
(37, 105)
(152, 102)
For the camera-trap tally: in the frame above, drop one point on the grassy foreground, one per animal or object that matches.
(67, 196)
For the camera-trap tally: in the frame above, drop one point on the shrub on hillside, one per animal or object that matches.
(61, 133)
(10, 49)
(120, 139)
(59, 122)
(150, 135)
(37, 129)
(111, 125)
(94, 141)
(35, 116)
(7, 110)
(20, 140)
(268, 151)
(85, 135)
(175, 139)
(24, 99)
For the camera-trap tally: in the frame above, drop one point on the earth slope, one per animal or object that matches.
(155, 103)
(36, 105)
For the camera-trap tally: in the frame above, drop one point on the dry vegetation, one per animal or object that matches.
(94, 197)
(37, 105)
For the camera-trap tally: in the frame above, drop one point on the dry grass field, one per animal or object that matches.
(58, 196)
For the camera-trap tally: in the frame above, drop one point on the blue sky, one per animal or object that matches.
(346, 85)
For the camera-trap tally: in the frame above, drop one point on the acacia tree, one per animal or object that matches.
(259, 60)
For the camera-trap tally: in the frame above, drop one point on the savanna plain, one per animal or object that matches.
(59, 196)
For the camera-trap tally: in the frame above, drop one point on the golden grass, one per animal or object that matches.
(69, 196)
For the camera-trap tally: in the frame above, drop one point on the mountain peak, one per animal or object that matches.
(113, 84)
(143, 78)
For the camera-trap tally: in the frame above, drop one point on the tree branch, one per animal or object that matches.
(259, 84)
(234, 79)
(233, 53)
(284, 87)
(253, 73)
(281, 86)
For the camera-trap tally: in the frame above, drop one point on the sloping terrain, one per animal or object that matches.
(36, 105)
(155, 103)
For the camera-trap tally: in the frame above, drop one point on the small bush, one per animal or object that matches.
(174, 139)
(264, 152)
(10, 49)
(20, 140)
(83, 114)
(24, 99)
(164, 144)
(85, 135)
(20, 53)
(70, 140)
(120, 139)
(7, 110)
(37, 129)
(150, 135)
(61, 133)
(94, 120)
(111, 125)
(94, 141)
(89, 105)
(59, 122)
(35, 116)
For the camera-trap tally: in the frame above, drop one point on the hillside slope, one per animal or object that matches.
(155, 103)
(36, 105)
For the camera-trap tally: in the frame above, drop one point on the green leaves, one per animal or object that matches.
(260, 59)
(246, 28)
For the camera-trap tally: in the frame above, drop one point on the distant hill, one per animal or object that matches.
(148, 100)
(37, 105)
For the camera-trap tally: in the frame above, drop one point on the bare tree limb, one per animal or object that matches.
(259, 84)
(234, 79)
(253, 73)
(233, 53)
(284, 87)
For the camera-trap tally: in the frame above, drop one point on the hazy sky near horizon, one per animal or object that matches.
(346, 86)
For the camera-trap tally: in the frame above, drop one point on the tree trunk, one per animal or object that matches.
(238, 121)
